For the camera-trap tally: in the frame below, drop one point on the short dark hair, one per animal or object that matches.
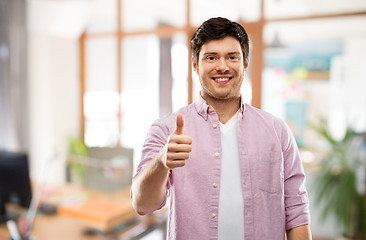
(219, 28)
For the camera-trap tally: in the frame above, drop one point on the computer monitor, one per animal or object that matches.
(15, 186)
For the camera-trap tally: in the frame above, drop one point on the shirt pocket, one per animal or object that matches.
(268, 172)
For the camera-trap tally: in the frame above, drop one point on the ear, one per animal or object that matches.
(195, 64)
(246, 63)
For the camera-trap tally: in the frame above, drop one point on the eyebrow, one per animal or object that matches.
(215, 53)
(209, 53)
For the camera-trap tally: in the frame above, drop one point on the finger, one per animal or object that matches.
(177, 156)
(180, 123)
(175, 163)
(179, 148)
(183, 139)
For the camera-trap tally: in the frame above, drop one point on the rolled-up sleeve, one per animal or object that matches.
(155, 140)
(296, 196)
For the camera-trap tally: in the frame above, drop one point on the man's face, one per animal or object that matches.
(220, 68)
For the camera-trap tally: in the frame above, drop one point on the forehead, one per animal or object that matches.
(221, 46)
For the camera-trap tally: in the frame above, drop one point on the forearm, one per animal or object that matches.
(148, 189)
(299, 233)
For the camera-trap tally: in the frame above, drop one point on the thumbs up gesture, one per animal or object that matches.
(178, 146)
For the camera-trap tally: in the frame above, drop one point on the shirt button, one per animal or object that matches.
(204, 115)
(210, 110)
(215, 125)
(213, 215)
(217, 154)
(214, 185)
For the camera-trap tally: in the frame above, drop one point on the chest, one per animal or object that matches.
(259, 153)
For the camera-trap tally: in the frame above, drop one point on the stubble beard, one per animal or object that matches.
(212, 97)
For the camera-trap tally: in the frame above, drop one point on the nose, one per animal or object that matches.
(222, 66)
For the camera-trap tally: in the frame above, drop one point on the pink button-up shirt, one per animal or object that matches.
(272, 177)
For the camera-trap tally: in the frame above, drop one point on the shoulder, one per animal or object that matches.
(267, 122)
(259, 115)
(168, 122)
(188, 109)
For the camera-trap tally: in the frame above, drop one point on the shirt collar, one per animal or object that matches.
(203, 108)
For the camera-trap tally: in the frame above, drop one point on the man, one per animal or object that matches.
(232, 171)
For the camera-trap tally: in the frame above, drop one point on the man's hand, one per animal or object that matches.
(178, 146)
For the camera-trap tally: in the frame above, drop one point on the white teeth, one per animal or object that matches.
(221, 79)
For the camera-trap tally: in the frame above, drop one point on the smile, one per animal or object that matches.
(222, 79)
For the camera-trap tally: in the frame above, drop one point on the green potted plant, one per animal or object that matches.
(77, 154)
(335, 186)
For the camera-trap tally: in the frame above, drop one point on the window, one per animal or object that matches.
(137, 63)
(313, 72)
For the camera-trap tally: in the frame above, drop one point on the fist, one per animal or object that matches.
(179, 146)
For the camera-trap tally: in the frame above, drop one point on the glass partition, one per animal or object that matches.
(179, 57)
(101, 64)
(140, 89)
(101, 118)
(101, 96)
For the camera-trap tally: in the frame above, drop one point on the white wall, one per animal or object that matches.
(53, 81)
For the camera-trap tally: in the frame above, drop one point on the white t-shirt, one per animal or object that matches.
(231, 203)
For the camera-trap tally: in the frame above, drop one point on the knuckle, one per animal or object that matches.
(172, 138)
(175, 164)
(170, 147)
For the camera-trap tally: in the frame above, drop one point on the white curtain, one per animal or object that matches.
(13, 76)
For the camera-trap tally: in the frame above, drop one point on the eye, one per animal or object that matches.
(210, 58)
(234, 58)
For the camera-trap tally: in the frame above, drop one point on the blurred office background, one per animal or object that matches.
(104, 70)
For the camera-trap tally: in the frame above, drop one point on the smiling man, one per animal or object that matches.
(232, 171)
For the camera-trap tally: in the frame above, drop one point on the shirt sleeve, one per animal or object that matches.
(296, 196)
(155, 140)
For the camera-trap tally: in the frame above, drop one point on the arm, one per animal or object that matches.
(148, 188)
(299, 233)
(296, 196)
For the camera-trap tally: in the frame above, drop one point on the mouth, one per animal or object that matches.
(222, 79)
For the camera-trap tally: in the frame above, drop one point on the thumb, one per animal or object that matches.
(180, 123)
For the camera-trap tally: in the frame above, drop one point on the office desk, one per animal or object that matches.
(62, 227)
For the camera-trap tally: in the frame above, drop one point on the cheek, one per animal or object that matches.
(241, 71)
(202, 72)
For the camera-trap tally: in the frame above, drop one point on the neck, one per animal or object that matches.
(225, 108)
